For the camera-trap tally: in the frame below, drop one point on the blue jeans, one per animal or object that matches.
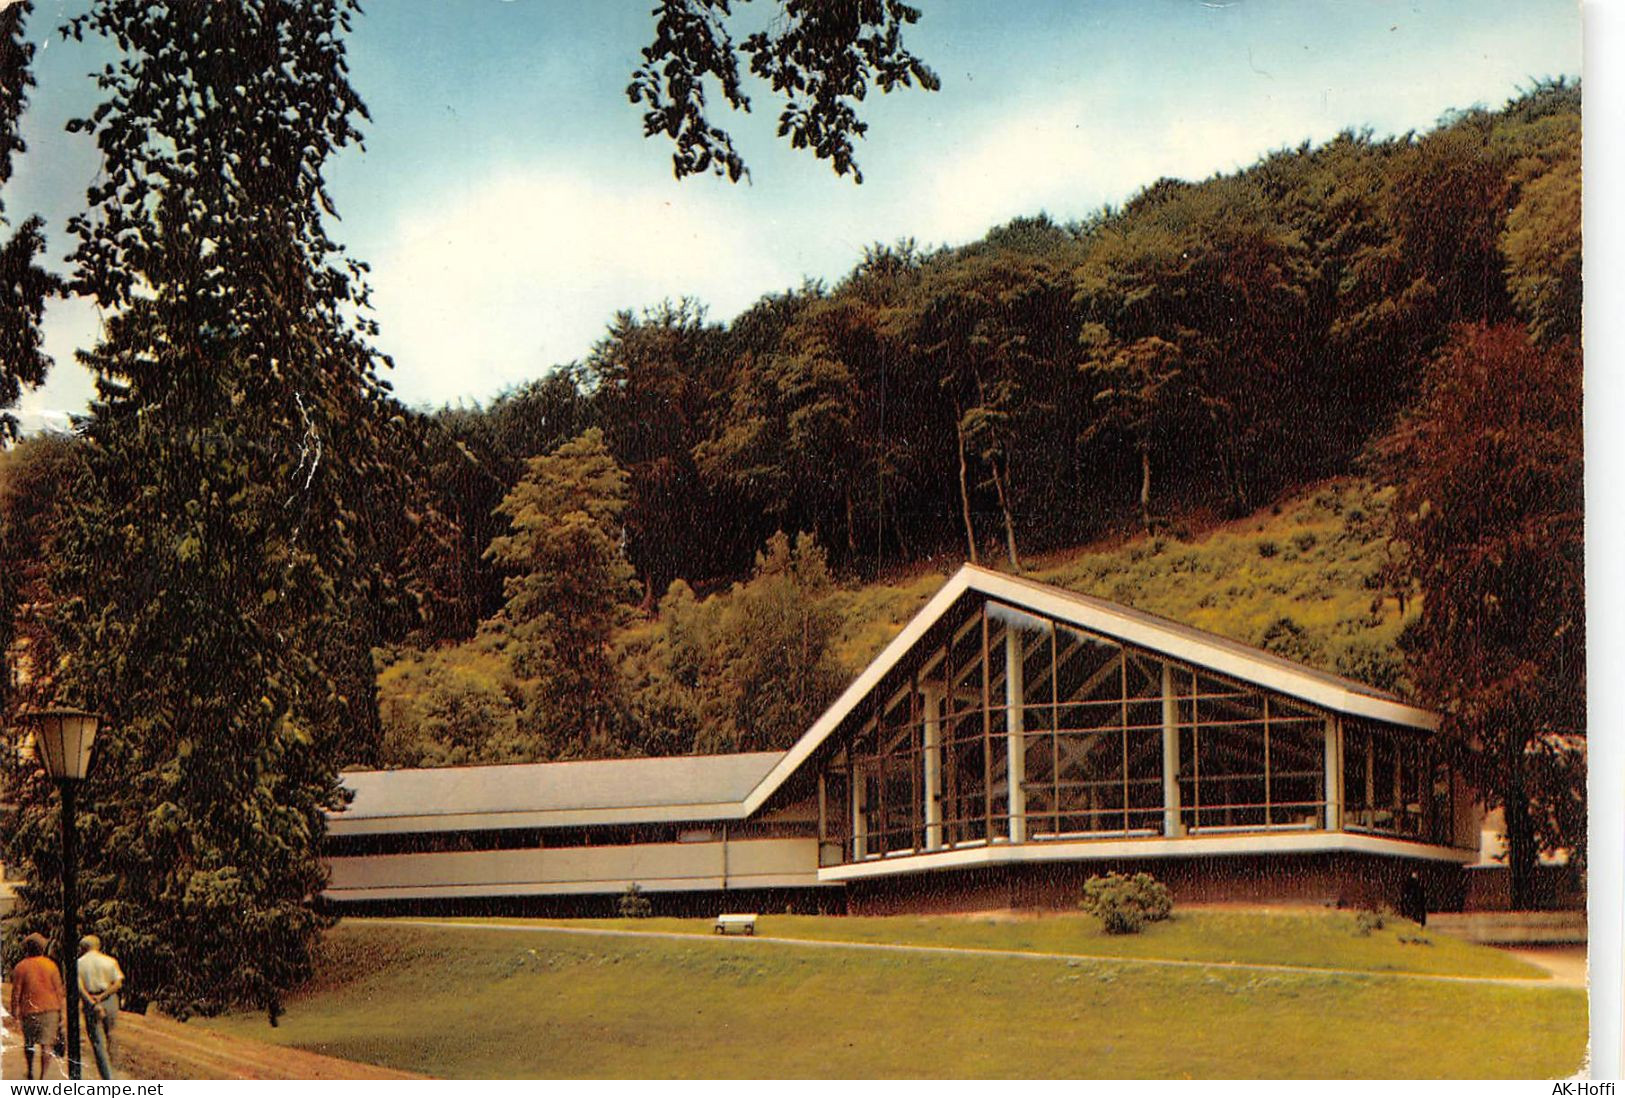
(99, 1027)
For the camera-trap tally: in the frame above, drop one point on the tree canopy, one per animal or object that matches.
(216, 579)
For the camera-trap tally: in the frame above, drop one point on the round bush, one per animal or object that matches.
(1125, 904)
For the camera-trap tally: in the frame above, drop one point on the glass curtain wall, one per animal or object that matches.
(1394, 784)
(1012, 727)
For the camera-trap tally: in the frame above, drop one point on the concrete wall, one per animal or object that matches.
(656, 867)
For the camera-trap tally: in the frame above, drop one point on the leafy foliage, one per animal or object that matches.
(741, 671)
(569, 588)
(1490, 516)
(24, 287)
(36, 486)
(1368, 920)
(634, 904)
(217, 586)
(820, 58)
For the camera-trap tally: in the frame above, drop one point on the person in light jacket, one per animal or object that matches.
(99, 981)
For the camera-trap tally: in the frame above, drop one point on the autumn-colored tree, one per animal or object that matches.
(1489, 519)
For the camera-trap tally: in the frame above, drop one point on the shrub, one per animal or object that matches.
(1125, 904)
(634, 904)
(1367, 921)
(1268, 549)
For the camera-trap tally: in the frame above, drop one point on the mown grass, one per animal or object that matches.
(488, 1002)
(1308, 939)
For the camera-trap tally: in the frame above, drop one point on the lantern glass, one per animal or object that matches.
(63, 738)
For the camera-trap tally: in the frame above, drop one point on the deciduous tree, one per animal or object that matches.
(24, 286)
(218, 569)
(1489, 518)
(820, 58)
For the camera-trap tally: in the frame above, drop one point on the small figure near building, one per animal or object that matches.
(99, 981)
(1413, 900)
(38, 1002)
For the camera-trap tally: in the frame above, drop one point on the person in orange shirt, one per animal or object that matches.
(39, 1001)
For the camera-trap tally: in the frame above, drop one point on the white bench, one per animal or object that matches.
(736, 924)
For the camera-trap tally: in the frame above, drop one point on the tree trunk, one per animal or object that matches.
(964, 486)
(1009, 519)
(1229, 463)
(1521, 852)
(1145, 486)
(851, 531)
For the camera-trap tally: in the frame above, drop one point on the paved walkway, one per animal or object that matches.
(1566, 963)
(888, 947)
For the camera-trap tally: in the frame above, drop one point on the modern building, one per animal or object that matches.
(1013, 740)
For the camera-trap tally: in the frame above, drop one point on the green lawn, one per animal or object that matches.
(484, 1002)
(1310, 939)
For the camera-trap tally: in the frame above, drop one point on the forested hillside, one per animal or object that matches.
(1158, 370)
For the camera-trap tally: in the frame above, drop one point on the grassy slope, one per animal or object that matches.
(481, 1002)
(1311, 559)
(1309, 939)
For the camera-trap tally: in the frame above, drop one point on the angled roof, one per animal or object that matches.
(731, 787)
(568, 794)
(1181, 642)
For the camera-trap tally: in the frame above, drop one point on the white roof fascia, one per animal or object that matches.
(1171, 642)
(1127, 627)
(917, 627)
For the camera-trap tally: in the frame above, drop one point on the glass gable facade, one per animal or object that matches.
(1006, 726)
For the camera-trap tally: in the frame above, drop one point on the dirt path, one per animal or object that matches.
(152, 1047)
(1157, 962)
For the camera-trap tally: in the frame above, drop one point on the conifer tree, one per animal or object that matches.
(569, 589)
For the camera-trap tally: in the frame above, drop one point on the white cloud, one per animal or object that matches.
(1070, 159)
(491, 284)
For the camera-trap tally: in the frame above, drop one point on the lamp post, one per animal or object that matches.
(62, 739)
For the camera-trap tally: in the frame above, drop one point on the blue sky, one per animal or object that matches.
(509, 204)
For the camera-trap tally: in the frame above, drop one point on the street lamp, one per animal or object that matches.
(62, 739)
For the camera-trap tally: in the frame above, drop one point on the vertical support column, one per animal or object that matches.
(823, 810)
(933, 766)
(1370, 813)
(1334, 774)
(860, 823)
(1015, 728)
(1171, 824)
